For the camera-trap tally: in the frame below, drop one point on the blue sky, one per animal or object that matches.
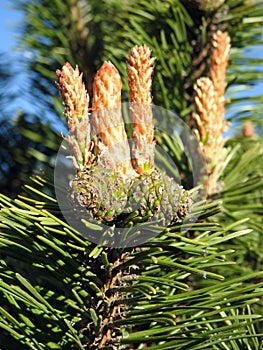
(9, 20)
(9, 26)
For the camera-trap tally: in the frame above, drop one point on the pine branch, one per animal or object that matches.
(86, 302)
(197, 283)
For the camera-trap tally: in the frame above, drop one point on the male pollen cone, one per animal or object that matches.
(107, 122)
(73, 93)
(140, 70)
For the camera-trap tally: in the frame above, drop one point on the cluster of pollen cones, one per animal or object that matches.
(102, 134)
(110, 170)
(102, 151)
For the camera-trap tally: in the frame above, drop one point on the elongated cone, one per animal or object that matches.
(209, 126)
(73, 93)
(76, 102)
(140, 69)
(218, 67)
(206, 108)
(210, 109)
(108, 128)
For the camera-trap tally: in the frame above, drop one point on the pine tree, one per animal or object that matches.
(192, 284)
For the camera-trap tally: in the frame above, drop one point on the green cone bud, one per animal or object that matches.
(107, 197)
(102, 192)
(158, 197)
